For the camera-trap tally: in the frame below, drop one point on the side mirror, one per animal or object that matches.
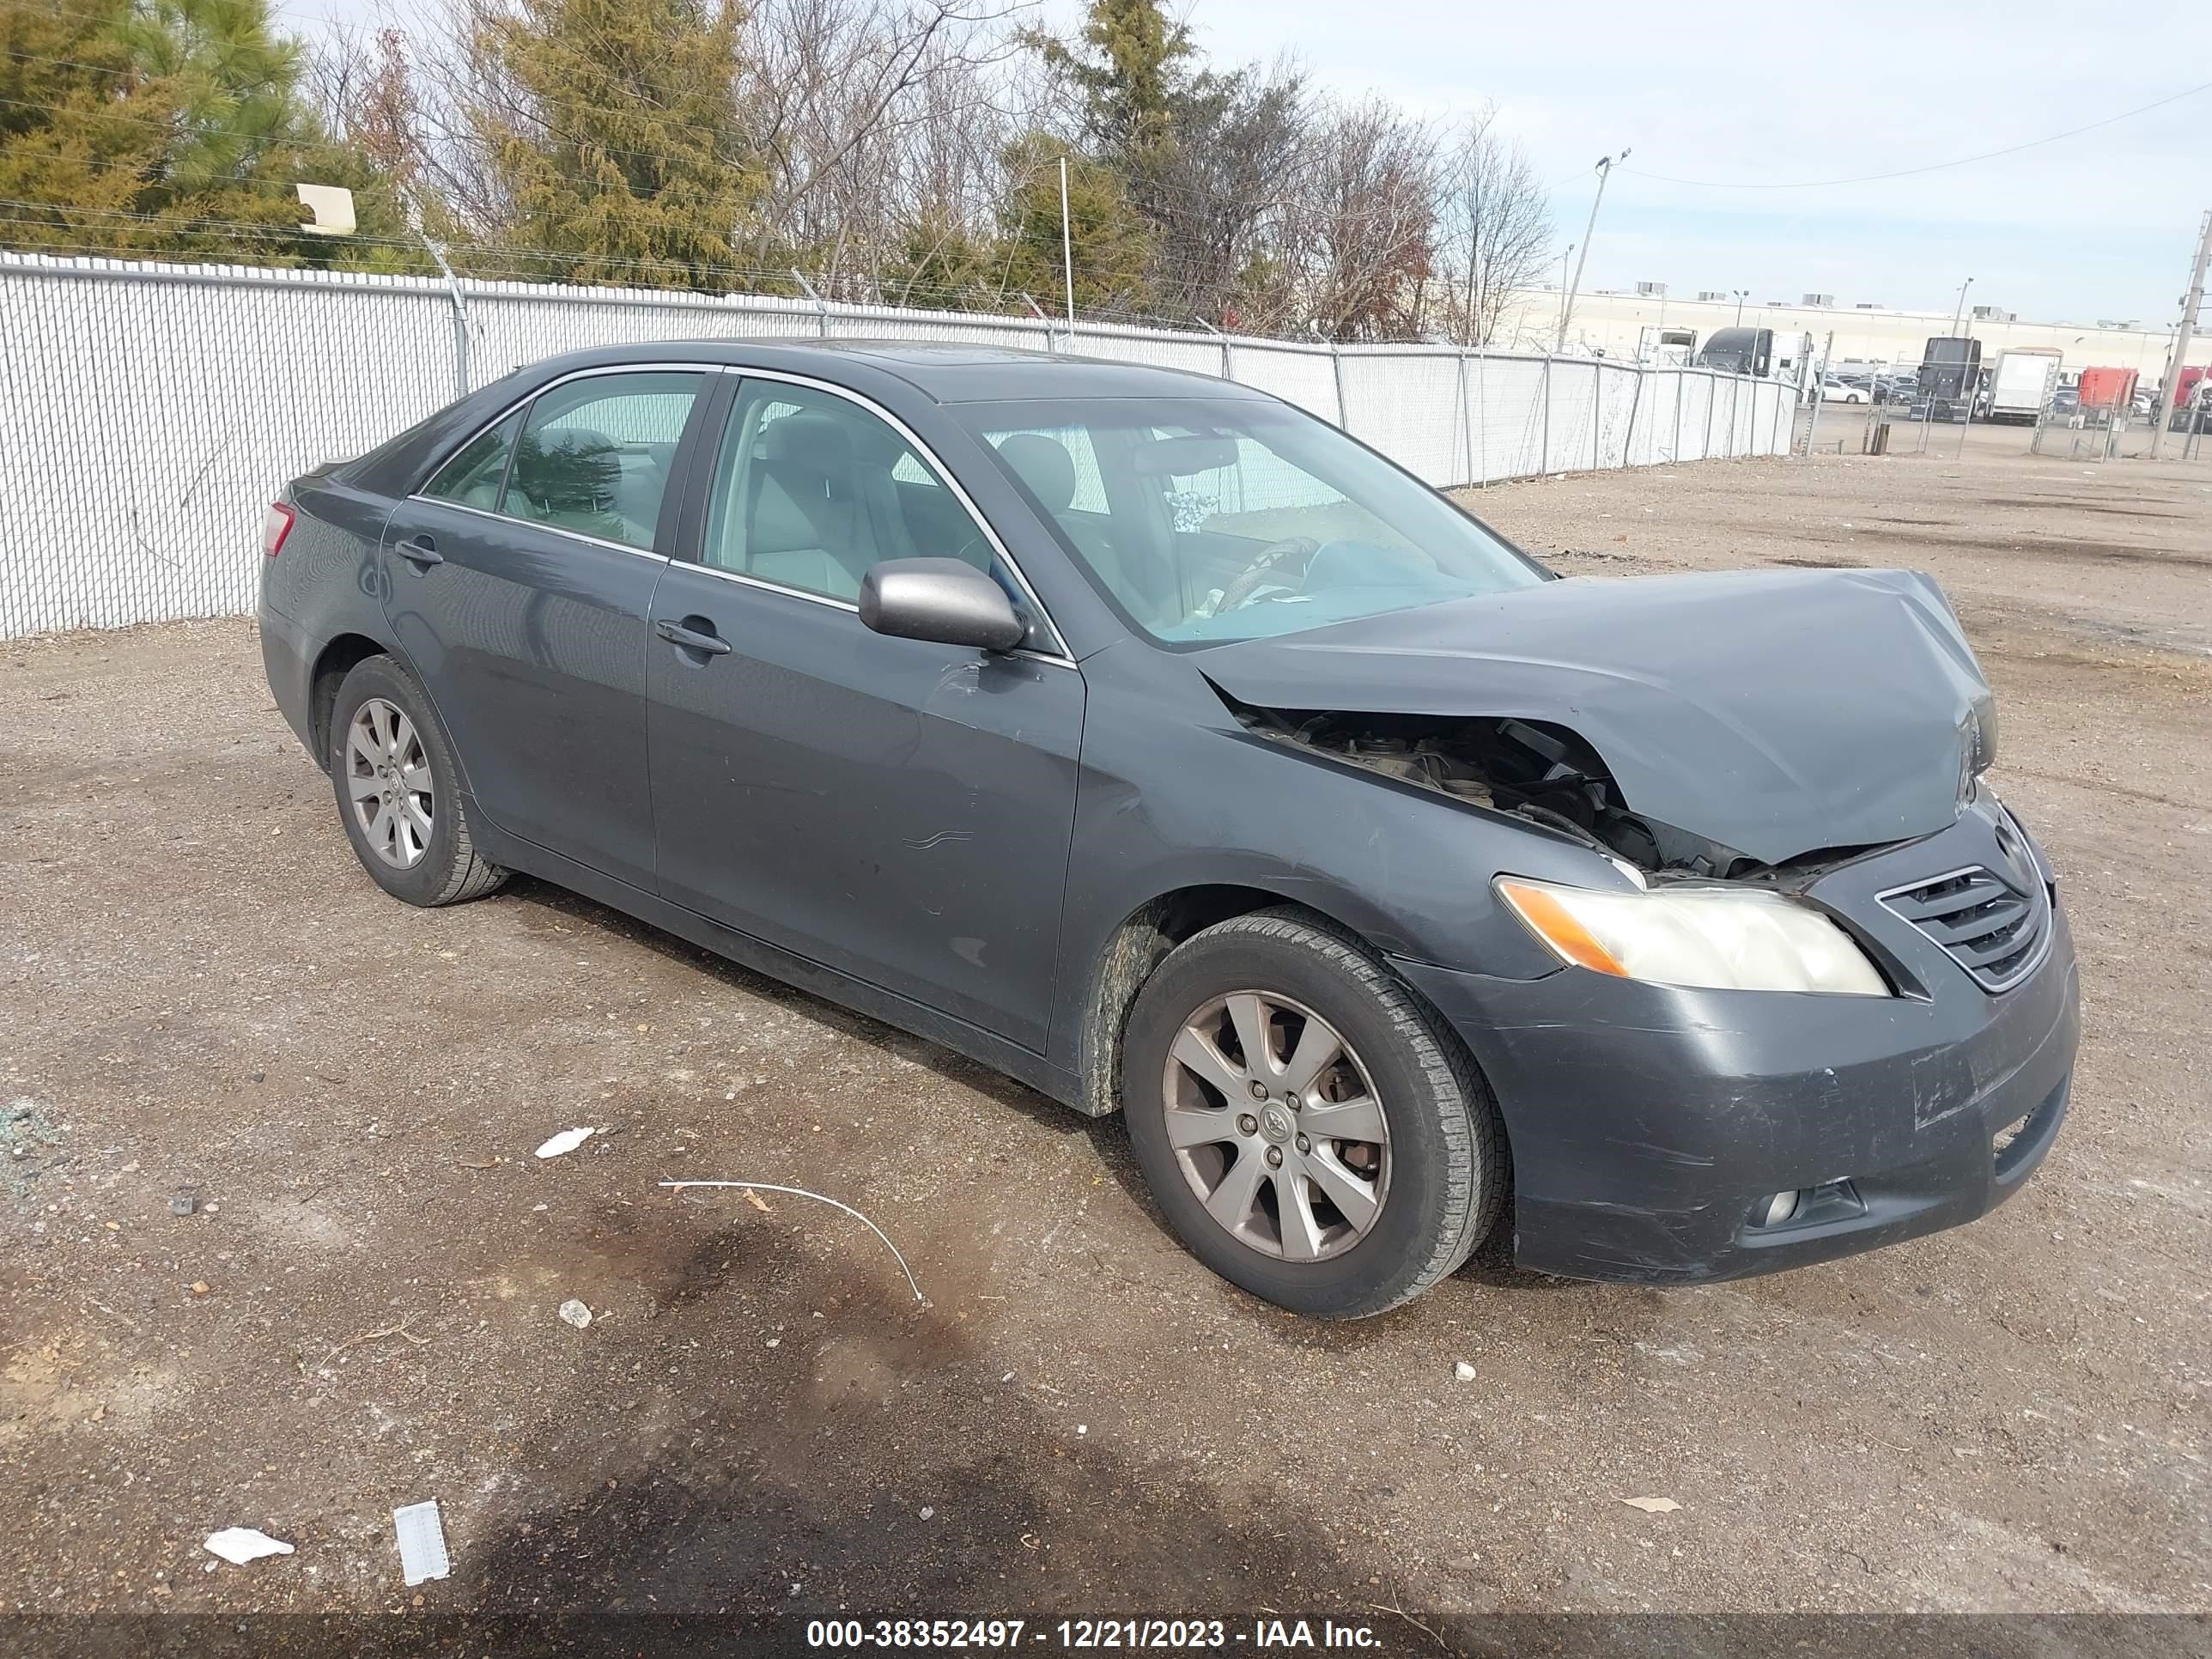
(946, 601)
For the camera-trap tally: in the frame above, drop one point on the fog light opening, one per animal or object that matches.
(1779, 1208)
(2003, 1138)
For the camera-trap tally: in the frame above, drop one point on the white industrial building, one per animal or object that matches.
(1630, 325)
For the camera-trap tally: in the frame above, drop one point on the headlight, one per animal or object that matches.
(1723, 939)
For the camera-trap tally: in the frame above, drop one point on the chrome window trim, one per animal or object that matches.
(550, 529)
(531, 396)
(1060, 656)
(1027, 653)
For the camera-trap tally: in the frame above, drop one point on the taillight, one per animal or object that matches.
(275, 525)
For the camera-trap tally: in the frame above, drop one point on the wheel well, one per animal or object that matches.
(337, 660)
(1137, 947)
(1143, 941)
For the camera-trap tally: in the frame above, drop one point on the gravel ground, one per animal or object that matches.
(200, 993)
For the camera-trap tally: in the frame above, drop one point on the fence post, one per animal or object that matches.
(1336, 371)
(1482, 397)
(1228, 364)
(1597, 415)
(1468, 421)
(821, 310)
(1635, 403)
(1544, 454)
(460, 320)
(1051, 341)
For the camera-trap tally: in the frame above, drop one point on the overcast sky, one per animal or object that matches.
(2101, 225)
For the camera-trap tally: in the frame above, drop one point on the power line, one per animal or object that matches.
(1932, 166)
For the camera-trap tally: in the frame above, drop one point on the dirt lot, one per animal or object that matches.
(201, 994)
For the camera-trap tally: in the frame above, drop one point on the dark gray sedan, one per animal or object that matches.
(1157, 743)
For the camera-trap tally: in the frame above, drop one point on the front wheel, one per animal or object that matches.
(1313, 1133)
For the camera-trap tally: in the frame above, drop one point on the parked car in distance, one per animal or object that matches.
(1155, 743)
(1833, 391)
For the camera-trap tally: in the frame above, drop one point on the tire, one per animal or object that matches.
(1437, 1183)
(440, 867)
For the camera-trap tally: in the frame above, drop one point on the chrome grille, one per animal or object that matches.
(1983, 921)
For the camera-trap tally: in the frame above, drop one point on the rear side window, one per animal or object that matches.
(594, 455)
(472, 478)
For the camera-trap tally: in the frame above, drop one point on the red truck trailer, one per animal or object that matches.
(2110, 389)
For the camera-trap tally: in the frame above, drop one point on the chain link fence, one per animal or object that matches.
(149, 412)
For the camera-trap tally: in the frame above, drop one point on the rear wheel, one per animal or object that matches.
(1313, 1133)
(398, 793)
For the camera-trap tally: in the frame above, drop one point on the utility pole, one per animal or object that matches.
(1959, 310)
(1742, 294)
(2191, 302)
(1067, 253)
(1565, 255)
(1604, 165)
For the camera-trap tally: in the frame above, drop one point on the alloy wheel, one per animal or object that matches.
(1276, 1126)
(388, 781)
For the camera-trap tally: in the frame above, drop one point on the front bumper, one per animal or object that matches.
(1649, 1125)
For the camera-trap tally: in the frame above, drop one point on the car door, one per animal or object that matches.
(897, 809)
(518, 581)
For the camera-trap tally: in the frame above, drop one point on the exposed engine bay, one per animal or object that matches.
(1537, 771)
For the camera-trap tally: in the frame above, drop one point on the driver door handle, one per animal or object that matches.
(420, 553)
(710, 645)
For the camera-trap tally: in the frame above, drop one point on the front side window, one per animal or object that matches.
(595, 453)
(1211, 520)
(811, 489)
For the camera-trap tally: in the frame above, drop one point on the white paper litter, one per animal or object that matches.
(1652, 1505)
(567, 1141)
(421, 1541)
(239, 1544)
(1463, 1371)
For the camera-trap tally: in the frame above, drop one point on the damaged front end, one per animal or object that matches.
(1543, 774)
(1717, 726)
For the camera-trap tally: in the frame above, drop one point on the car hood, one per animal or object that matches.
(1777, 713)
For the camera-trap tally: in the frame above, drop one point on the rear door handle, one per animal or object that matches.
(692, 639)
(420, 553)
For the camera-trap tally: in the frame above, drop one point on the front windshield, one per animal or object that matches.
(1209, 519)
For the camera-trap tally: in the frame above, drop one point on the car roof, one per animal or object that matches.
(947, 372)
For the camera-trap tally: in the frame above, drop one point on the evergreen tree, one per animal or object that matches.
(1108, 241)
(70, 134)
(611, 141)
(1134, 73)
(173, 127)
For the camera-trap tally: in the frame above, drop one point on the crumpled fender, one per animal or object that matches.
(1777, 713)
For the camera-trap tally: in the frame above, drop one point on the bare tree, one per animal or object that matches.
(1217, 195)
(881, 123)
(1359, 233)
(1496, 230)
(907, 151)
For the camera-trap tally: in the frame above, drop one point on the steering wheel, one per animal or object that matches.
(1300, 549)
